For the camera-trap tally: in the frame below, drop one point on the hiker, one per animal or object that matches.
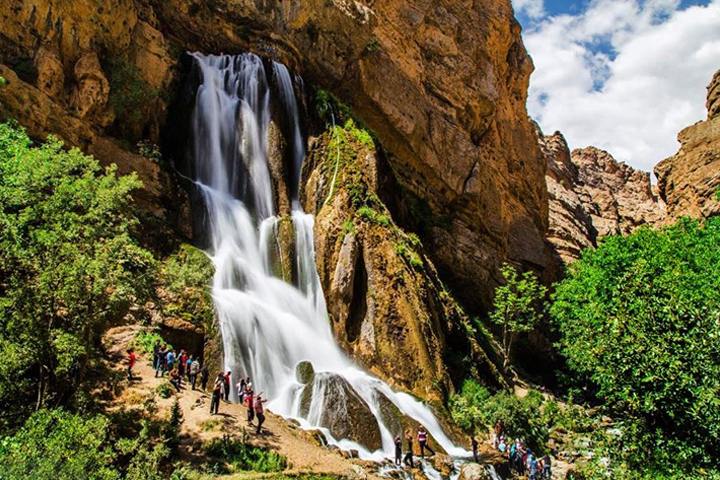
(194, 369)
(226, 379)
(546, 467)
(408, 460)
(474, 443)
(422, 440)
(130, 363)
(204, 376)
(182, 360)
(216, 395)
(249, 403)
(156, 357)
(170, 359)
(532, 466)
(398, 450)
(502, 446)
(259, 412)
(498, 431)
(175, 378)
(162, 363)
(241, 390)
(188, 364)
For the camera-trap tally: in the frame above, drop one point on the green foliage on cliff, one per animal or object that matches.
(185, 278)
(130, 95)
(639, 320)
(68, 265)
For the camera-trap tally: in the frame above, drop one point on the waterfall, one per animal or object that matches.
(268, 325)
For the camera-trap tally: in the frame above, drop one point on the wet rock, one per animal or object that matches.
(443, 464)
(473, 471)
(304, 372)
(391, 416)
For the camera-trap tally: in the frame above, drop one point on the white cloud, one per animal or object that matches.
(531, 8)
(624, 75)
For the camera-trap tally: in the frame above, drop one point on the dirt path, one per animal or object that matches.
(302, 448)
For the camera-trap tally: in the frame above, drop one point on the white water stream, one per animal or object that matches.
(268, 325)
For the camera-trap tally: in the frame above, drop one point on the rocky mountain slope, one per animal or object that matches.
(592, 195)
(688, 181)
(443, 85)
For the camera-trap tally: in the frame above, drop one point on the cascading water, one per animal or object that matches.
(268, 325)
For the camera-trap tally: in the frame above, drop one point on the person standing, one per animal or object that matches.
(398, 450)
(249, 403)
(422, 441)
(241, 390)
(156, 357)
(194, 369)
(130, 363)
(162, 363)
(204, 376)
(170, 359)
(216, 395)
(188, 364)
(259, 413)
(474, 443)
(182, 360)
(547, 467)
(227, 386)
(408, 460)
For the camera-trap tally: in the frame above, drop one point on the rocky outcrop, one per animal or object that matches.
(688, 181)
(571, 228)
(592, 195)
(442, 84)
(387, 306)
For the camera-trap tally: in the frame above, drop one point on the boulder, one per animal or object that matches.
(474, 471)
(304, 372)
(92, 87)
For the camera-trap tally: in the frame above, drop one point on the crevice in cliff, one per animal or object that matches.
(358, 304)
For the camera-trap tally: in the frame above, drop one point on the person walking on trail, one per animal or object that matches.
(204, 376)
(422, 441)
(182, 361)
(130, 363)
(169, 359)
(216, 395)
(398, 450)
(249, 403)
(408, 460)
(194, 369)
(226, 379)
(175, 378)
(259, 413)
(188, 364)
(241, 390)
(156, 357)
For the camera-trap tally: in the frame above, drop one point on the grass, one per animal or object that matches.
(235, 455)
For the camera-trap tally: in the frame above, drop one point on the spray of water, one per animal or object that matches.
(268, 325)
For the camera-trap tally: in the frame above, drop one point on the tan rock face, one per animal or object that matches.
(592, 196)
(92, 88)
(689, 180)
(387, 306)
(51, 77)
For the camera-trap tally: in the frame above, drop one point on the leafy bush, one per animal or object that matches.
(408, 254)
(371, 215)
(186, 276)
(130, 94)
(145, 341)
(165, 390)
(639, 323)
(171, 432)
(242, 456)
(68, 266)
(55, 444)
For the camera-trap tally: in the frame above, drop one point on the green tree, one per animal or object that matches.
(639, 323)
(517, 307)
(68, 265)
(54, 444)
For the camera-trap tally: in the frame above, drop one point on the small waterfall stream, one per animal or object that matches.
(268, 325)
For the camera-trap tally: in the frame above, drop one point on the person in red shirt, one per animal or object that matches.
(227, 386)
(249, 402)
(131, 358)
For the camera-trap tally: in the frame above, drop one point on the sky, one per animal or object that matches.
(622, 75)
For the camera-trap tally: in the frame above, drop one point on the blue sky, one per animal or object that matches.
(623, 75)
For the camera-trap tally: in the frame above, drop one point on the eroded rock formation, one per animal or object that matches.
(592, 195)
(689, 180)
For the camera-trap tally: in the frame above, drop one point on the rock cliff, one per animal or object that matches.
(592, 195)
(442, 84)
(689, 180)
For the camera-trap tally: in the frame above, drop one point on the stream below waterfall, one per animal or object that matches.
(269, 325)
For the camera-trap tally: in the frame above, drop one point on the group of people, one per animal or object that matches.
(521, 458)
(246, 396)
(179, 366)
(422, 439)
